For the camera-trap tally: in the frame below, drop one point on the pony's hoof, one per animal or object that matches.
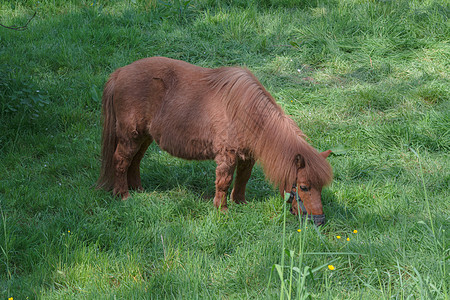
(240, 201)
(123, 196)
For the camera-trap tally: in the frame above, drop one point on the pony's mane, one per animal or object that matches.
(272, 137)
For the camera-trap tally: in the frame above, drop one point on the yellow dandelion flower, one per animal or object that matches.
(348, 239)
(331, 267)
(68, 231)
(299, 230)
(355, 231)
(10, 298)
(338, 236)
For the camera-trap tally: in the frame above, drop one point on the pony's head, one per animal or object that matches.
(305, 196)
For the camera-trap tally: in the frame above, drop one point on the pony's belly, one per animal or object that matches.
(194, 149)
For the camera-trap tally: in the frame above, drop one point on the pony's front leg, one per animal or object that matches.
(224, 175)
(243, 172)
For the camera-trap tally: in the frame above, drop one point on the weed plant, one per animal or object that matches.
(367, 79)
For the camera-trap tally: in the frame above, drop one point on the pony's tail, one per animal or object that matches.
(109, 137)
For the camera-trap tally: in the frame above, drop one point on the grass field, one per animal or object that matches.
(368, 79)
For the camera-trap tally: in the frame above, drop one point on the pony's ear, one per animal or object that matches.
(299, 161)
(325, 153)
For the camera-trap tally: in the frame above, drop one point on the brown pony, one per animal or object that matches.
(198, 113)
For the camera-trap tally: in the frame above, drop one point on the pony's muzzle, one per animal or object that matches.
(297, 207)
(318, 220)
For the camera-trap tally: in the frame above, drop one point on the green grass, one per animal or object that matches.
(368, 79)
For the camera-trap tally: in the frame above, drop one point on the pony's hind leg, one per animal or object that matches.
(134, 174)
(125, 151)
(226, 164)
(243, 172)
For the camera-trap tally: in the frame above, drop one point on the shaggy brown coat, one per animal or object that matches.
(198, 113)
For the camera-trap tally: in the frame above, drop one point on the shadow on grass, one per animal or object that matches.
(162, 172)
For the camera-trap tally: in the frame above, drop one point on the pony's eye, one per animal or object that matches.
(304, 188)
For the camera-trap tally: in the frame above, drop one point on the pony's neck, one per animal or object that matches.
(265, 130)
(277, 148)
